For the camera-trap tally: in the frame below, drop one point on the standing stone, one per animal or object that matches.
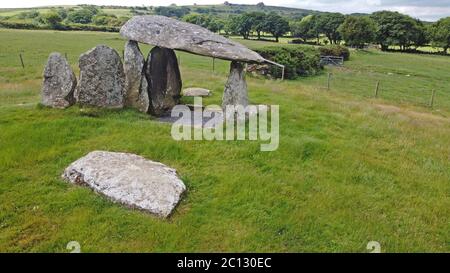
(136, 94)
(235, 92)
(59, 82)
(164, 80)
(102, 80)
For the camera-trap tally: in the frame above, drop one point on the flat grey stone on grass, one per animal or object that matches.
(129, 179)
(196, 92)
(59, 82)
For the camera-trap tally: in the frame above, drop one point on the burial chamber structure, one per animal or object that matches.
(154, 85)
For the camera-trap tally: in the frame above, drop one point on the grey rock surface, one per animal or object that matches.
(129, 179)
(166, 32)
(196, 92)
(235, 92)
(164, 80)
(136, 82)
(102, 79)
(59, 83)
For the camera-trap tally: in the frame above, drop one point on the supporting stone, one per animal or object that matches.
(164, 80)
(102, 80)
(235, 92)
(59, 82)
(136, 94)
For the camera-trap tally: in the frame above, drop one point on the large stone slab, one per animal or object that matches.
(164, 80)
(129, 179)
(102, 79)
(235, 92)
(59, 83)
(136, 94)
(166, 32)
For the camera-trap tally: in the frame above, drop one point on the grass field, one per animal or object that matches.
(350, 168)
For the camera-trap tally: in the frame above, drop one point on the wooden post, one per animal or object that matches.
(65, 55)
(377, 89)
(21, 60)
(123, 54)
(329, 81)
(433, 95)
(282, 73)
(213, 63)
(179, 59)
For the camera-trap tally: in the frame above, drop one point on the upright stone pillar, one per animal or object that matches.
(59, 82)
(102, 80)
(164, 80)
(235, 92)
(136, 88)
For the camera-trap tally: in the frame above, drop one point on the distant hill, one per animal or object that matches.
(222, 10)
(230, 9)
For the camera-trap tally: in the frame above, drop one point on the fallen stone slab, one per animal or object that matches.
(196, 92)
(129, 179)
(166, 32)
(59, 82)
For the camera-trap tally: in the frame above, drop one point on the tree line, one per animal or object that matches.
(385, 28)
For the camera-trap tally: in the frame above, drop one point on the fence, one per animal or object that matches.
(332, 60)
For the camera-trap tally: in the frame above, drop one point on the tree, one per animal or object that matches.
(105, 20)
(52, 19)
(276, 25)
(304, 29)
(394, 28)
(258, 22)
(206, 21)
(421, 35)
(81, 16)
(440, 34)
(241, 25)
(172, 11)
(358, 31)
(328, 24)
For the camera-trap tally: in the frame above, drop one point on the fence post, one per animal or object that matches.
(377, 89)
(433, 95)
(328, 81)
(65, 55)
(21, 60)
(213, 63)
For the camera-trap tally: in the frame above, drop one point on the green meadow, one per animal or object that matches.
(350, 168)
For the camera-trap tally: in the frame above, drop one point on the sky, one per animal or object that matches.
(430, 10)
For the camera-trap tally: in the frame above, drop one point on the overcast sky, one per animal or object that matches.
(424, 9)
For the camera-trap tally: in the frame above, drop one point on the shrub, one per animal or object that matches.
(336, 51)
(298, 61)
(18, 25)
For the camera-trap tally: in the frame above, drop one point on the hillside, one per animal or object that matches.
(227, 9)
(222, 10)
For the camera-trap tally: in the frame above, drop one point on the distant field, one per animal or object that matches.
(350, 168)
